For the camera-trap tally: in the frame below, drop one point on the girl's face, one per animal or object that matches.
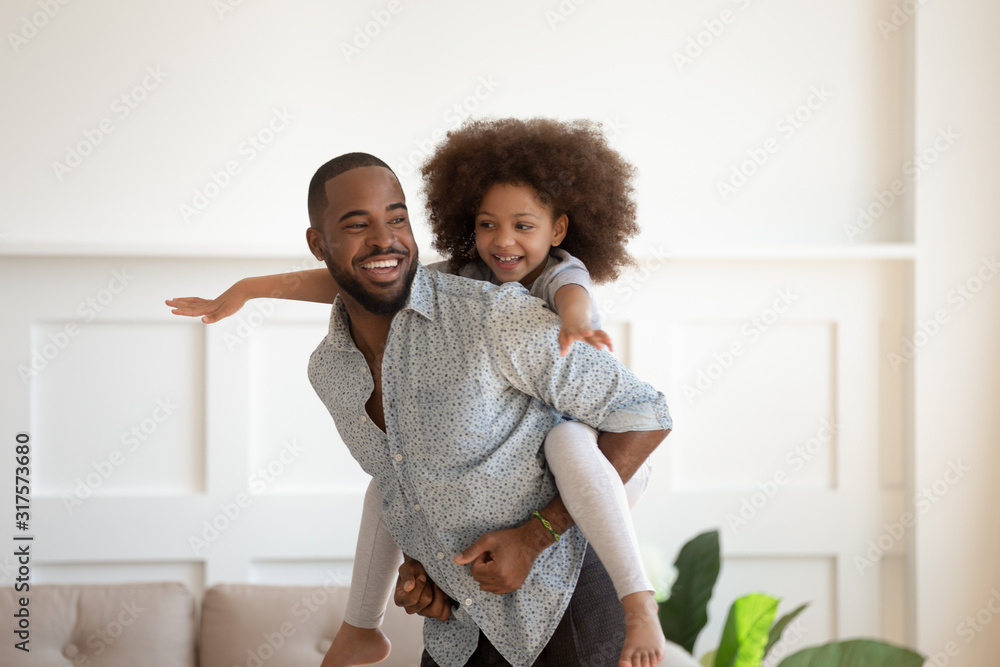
(514, 232)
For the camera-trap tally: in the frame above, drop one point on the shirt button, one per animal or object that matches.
(363, 419)
(398, 457)
(440, 555)
(416, 508)
(468, 601)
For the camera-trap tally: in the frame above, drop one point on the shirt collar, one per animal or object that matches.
(421, 300)
(422, 294)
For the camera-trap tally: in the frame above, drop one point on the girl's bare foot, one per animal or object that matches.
(357, 646)
(644, 641)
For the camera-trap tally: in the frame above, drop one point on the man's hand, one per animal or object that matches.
(418, 594)
(502, 559)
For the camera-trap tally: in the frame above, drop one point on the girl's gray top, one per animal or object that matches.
(560, 269)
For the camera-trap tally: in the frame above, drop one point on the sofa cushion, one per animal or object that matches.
(249, 625)
(102, 625)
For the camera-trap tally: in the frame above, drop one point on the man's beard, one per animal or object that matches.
(375, 303)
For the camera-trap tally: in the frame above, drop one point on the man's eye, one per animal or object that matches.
(398, 221)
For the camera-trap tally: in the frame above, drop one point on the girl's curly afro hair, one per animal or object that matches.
(569, 164)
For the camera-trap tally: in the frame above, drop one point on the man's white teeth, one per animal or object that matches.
(381, 264)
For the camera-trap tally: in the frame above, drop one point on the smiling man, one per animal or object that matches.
(443, 388)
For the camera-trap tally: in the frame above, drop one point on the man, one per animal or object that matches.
(443, 389)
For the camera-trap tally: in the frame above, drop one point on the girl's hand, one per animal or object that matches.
(569, 333)
(221, 307)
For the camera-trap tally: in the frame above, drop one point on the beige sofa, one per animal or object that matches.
(154, 625)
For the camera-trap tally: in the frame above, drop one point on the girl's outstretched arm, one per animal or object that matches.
(575, 309)
(313, 285)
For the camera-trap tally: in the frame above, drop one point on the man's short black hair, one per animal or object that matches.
(317, 186)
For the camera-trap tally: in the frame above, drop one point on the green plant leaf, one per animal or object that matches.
(685, 614)
(779, 627)
(708, 660)
(867, 652)
(746, 631)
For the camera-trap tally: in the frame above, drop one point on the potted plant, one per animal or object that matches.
(751, 630)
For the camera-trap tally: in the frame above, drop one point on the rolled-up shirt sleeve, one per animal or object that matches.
(649, 416)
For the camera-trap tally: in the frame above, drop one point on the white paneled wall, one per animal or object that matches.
(164, 448)
(222, 465)
(779, 444)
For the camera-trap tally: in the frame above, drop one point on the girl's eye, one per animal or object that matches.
(524, 226)
(485, 225)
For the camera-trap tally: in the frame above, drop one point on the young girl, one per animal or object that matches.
(539, 202)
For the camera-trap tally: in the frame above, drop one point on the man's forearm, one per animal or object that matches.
(513, 551)
(625, 451)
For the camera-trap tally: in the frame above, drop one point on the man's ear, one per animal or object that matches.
(316, 244)
(559, 229)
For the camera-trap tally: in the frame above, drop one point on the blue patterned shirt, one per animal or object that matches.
(472, 381)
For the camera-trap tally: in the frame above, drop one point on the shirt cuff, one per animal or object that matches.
(650, 416)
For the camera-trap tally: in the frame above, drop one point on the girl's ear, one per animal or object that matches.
(559, 229)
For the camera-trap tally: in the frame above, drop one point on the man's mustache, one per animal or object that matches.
(391, 250)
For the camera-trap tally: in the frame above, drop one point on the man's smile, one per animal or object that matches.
(382, 269)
